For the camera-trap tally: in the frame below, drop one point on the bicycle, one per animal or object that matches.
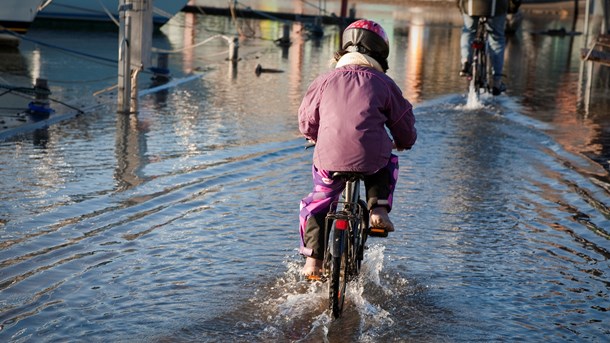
(346, 230)
(481, 71)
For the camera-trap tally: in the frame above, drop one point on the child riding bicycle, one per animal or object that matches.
(346, 112)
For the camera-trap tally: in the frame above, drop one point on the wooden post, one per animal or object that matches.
(161, 71)
(135, 45)
(234, 50)
(286, 33)
(133, 108)
(141, 33)
(352, 12)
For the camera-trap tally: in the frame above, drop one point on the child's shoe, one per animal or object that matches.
(312, 269)
(465, 70)
(380, 222)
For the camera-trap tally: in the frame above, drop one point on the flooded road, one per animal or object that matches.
(179, 224)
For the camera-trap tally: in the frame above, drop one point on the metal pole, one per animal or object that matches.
(343, 8)
(575, 19)
(606, 28)
(584, 64)
(586, 28)
(343, 24)
(589, 86)
(234, 50)
(124, 72)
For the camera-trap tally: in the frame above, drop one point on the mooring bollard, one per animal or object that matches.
(41, 104)
(259, 70)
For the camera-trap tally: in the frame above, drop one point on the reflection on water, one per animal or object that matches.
(130, 151)
(178, 223)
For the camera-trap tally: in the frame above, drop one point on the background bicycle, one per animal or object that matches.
(481, 71)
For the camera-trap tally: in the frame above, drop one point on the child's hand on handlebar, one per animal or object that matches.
(394, 147)
(310, 143)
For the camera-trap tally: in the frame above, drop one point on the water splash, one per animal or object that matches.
(373, 318)
(474, 101)
(373, 264)
(287, 308)
(290, 308)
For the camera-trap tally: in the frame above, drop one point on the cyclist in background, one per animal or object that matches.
(346, 112)
(495, 11)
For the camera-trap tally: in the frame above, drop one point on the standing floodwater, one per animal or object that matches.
(180, 223)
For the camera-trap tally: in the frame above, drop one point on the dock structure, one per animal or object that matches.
(597, 51)
(258, 14)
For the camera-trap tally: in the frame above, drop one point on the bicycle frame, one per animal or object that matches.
(348, 216)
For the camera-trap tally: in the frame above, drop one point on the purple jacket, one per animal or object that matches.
(346, 112)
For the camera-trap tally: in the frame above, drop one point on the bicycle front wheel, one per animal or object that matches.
(475, 76)
(339, 272)
(478, 79)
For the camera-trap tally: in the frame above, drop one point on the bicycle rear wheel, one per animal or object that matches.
(339, 271)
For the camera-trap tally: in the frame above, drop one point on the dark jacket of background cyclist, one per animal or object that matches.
(486, 8)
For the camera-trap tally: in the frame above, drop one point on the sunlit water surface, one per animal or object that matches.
(180, 223)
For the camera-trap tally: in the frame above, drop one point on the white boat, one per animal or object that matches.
(105, 10)
(16, 16)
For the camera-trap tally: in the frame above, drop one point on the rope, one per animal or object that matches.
(104, 59)
(237, 27)
(195, 45)
(78, 53)
(322, 10)
(116, 22)
(20, 91)
(82, 81)
(23, 90)
(67, 105)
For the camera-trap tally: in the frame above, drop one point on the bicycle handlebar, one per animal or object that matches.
(311, 144)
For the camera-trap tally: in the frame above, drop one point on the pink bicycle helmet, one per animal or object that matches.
(367, 34)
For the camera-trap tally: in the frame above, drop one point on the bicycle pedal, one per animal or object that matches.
(315, 278)
(378, 232)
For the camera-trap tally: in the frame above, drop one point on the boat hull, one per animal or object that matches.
(17, 15)
(98, 11)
